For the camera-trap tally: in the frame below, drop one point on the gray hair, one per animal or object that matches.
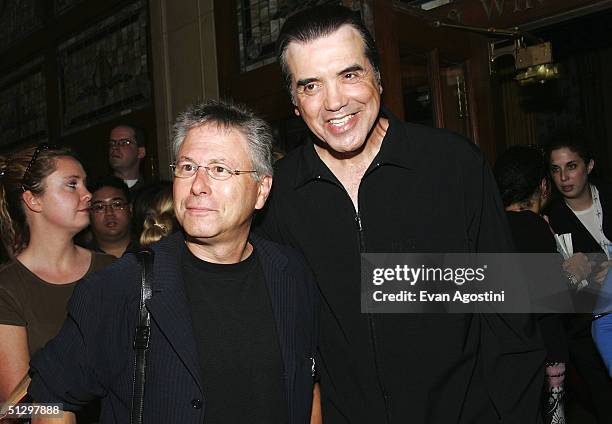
(229, 115)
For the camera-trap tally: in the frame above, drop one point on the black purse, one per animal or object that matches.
(142, 336)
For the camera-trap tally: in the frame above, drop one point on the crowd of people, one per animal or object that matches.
(260, 320)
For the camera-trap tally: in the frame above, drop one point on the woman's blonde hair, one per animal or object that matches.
(159, 217)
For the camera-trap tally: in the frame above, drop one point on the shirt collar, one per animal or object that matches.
(396, 149)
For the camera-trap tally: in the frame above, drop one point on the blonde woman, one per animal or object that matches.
(159, 220)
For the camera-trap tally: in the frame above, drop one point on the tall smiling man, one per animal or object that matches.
(233, 316)
(368, 182)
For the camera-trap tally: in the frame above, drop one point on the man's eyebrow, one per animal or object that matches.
(353, 68)
(303, 82)
(112, 199)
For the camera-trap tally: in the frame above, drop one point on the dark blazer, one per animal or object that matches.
(92, 357)
(563, 221)
(583, 353)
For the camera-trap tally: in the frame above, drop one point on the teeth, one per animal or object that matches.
(341, 121)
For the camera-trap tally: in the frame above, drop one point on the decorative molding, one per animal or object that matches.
(259, 22)
(19, 18)
(23, 105)
(103, 71)
(62, 6)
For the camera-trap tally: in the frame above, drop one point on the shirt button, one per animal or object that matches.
(196, 404)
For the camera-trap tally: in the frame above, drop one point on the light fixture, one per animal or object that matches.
(533, 63)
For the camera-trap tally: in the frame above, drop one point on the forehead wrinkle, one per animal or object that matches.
(213, 160)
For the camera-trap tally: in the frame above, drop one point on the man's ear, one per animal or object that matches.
(31, 201)
(142, 152)
(265, 185)
(590, 166)
(296, 110)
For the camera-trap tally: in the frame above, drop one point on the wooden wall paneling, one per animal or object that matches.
(433, 70)
(481, 99)
(388, 47)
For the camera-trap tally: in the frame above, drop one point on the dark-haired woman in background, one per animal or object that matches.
(43, 204)
(584, 210)
(521, 176)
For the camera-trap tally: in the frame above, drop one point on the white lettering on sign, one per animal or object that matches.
(492, 6)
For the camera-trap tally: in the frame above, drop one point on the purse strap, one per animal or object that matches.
(142, 336)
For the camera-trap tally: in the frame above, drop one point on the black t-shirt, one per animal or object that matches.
(237, 342)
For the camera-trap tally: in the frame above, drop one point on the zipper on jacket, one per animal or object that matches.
(377, 366)
(360, 232)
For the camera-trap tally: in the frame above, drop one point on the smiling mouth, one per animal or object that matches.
(338, 122)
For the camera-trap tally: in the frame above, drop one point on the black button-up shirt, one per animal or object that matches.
(427, 190)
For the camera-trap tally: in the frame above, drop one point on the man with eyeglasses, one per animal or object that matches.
(126, 149)
(110, 215)
(233, 317)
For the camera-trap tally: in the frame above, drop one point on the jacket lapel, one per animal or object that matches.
(168, 305)
(273, 263)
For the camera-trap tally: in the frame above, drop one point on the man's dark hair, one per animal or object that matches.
(139, 134)
(519, 172)
(310, 24)
(110, 181)
(574, 139)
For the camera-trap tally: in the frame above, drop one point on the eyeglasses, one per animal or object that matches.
(32, 161)
(117, 205)
(120, 143)
(216, 171)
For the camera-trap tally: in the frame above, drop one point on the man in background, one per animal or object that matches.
(111, 217)
(126, 149)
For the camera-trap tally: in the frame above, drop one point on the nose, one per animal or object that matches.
(563, 174)
(334, 97)
(108, 210)
(201, 182)
(86, 195)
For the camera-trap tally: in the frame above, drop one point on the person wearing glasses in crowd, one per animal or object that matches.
(126, 150)
(111, 217)
(44, 202)
(233, 316)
